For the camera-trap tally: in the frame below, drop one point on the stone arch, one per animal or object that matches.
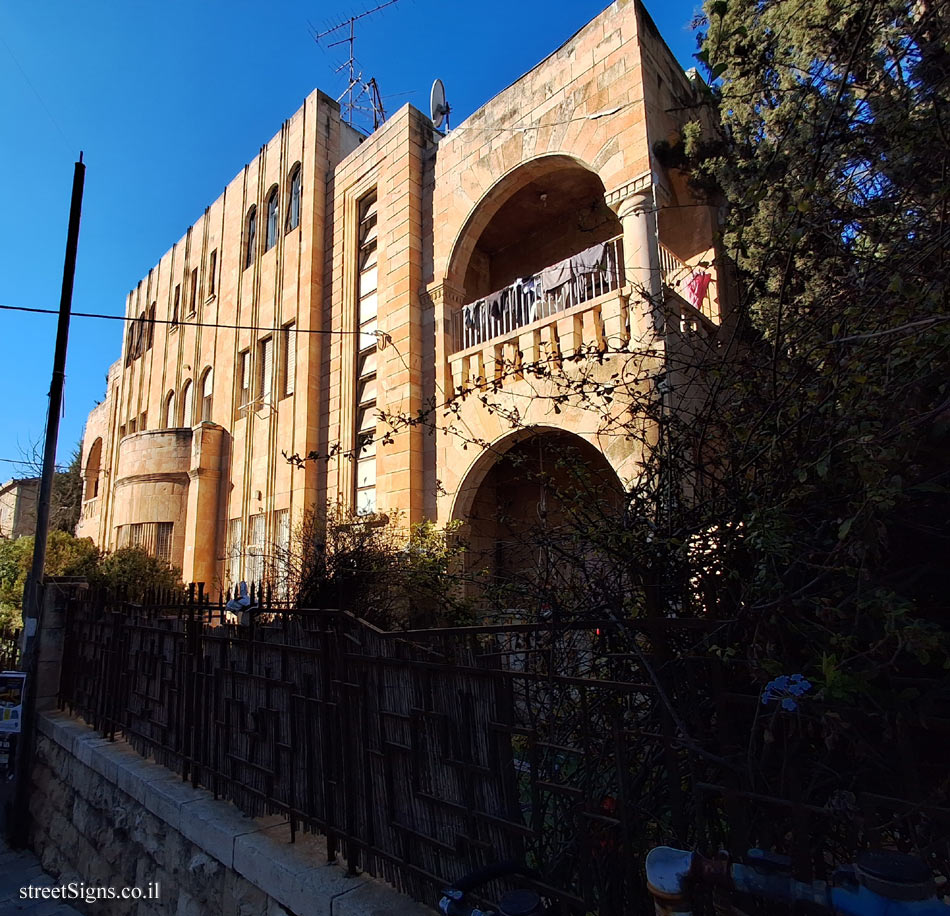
(528, 504)
(93, 467)
(527, 206)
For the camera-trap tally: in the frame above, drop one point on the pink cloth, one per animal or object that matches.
(696, 288)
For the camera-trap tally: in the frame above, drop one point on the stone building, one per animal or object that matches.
(341, 277)
(18, 498)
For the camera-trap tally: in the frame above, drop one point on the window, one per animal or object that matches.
(207, 383)
(212, 273)
(169, 416)
(244, 381)
(142, 423)
(265, 367)
(288, 359)
(235, 536)
(151, 326)
(176, 303)
(92, 469)
(193, 305)
(282, 552)
(365, 433)
(254, 567)
(186, 396)
(132, 426)
(270, 237)
(163, 541)
(250, 236)
(293, 211)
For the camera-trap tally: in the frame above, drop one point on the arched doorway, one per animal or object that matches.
(541, 509)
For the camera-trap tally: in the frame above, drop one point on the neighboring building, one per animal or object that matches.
(338, 276)
(18, 507)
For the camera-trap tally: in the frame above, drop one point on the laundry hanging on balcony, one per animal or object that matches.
(696, 288)
(589, 260)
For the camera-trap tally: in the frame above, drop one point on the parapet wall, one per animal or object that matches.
(102, 815)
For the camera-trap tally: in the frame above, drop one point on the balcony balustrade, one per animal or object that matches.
(580, 278)
(580, 304)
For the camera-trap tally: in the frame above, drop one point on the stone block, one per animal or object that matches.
(164, 796)
(213, 827)
(373, 898)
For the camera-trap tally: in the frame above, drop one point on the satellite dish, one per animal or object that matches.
(439, 110)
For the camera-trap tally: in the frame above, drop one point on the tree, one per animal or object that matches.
(66, 555)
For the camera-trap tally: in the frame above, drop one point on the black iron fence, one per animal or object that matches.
(422, 754)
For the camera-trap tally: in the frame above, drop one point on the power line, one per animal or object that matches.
(182, 323)
(26, 463)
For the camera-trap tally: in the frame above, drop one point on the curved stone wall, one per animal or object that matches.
(152, 482)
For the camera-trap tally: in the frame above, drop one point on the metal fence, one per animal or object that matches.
(423, 754)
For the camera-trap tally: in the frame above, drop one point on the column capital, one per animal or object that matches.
(632, 196)
(443, 293)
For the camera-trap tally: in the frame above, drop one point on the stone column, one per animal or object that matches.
(443, 301)
(634, 203)
(200, 561)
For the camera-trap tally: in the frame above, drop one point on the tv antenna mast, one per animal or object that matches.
(357, 87)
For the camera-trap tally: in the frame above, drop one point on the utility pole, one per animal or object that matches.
(33, 597)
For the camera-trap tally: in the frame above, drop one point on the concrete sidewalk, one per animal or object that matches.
(22, 869)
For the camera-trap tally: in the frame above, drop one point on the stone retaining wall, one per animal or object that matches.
(103, 815)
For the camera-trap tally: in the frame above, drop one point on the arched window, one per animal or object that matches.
(170, 410)
(92, 470)
(293, 210)
(270, 237)
(186, 394)
(207, 383)
(250, 236)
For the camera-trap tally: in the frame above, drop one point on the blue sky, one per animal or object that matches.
(168, 100)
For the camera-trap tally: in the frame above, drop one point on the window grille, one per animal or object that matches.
(235, 536)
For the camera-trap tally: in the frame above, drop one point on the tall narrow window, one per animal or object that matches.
(186, 396)
(175, 304)
(293, 209)
(92, 470)
(255, 548)
(235, 536)
(170, 410)
(265, 364)
(151, 326)
(212, 273)
(244, 381)
(365, 457)
(250, 237)
(282, 552)
(288, 367)
(163, 541)
(270, 237)
(207, 384)
(193, 305)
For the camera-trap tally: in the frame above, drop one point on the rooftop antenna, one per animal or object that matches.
(356, 83)
(438, 107)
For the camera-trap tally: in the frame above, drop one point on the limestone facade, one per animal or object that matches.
(325, 292)
(18, 498)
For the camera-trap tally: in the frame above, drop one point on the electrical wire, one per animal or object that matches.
(184, 323)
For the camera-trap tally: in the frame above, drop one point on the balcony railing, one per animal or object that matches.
(580, 278)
